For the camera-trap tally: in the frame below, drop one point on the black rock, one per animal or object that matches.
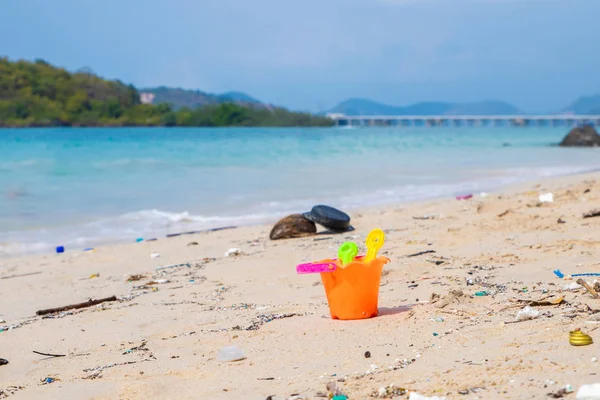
(329, 217)
(585, 136)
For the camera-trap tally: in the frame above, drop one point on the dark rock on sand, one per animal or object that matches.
(293, 226)
(329, 217)
(582, 137)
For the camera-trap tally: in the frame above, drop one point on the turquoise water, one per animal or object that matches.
(85, 187)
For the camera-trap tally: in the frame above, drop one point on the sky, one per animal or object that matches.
(539, 55)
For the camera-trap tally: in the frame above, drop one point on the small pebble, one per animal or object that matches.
(594, 359)
(367, 354)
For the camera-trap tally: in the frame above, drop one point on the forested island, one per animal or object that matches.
(37, 94)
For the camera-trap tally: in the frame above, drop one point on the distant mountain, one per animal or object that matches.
(585, 105)
(179, 98)
(369, 107)
(238, 97)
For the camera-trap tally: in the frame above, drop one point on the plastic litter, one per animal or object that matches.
(173, 266)
(60, 249)
(230, 354)
(593, 319)
(154, 255)
(588, 392)
(527, 313)
(572, 286)
(389, 392)
(546, 198)
(158, 282)
(233, 252)
(138, 240)
(417, 396)
(464, 197)
(559, 274)
(562, 392)
(578, 338)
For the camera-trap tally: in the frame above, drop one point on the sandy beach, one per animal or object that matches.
(161, 338)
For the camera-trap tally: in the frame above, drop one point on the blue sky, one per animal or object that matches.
(310, 54)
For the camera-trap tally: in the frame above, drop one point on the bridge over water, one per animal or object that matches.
(465, 120)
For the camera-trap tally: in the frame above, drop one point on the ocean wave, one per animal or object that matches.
(8, 249)
(122, 162)
(15, 165)
(124, 228)
(175, 217)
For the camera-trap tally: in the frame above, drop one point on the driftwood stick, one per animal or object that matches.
(588, 288)
(49, 355)
(420, 253)
(88, 303)
(20, 275)
(516, 321)
(592, 214)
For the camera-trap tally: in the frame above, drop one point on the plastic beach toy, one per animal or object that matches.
(347, 252)
(374, 242)
(315, 268)
(352, 289)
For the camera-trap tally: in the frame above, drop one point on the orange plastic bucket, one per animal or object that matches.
(353, 291)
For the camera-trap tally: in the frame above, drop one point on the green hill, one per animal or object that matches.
(39, 94)
(369, 107)
(239, 97)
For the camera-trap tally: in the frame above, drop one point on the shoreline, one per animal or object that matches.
(161, 339)
(270, 220)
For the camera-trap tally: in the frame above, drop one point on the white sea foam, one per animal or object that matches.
(16, 165)
(125, 228)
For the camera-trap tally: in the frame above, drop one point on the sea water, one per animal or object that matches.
(82, 187)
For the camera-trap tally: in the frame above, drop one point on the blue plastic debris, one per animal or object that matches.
(561, 275)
